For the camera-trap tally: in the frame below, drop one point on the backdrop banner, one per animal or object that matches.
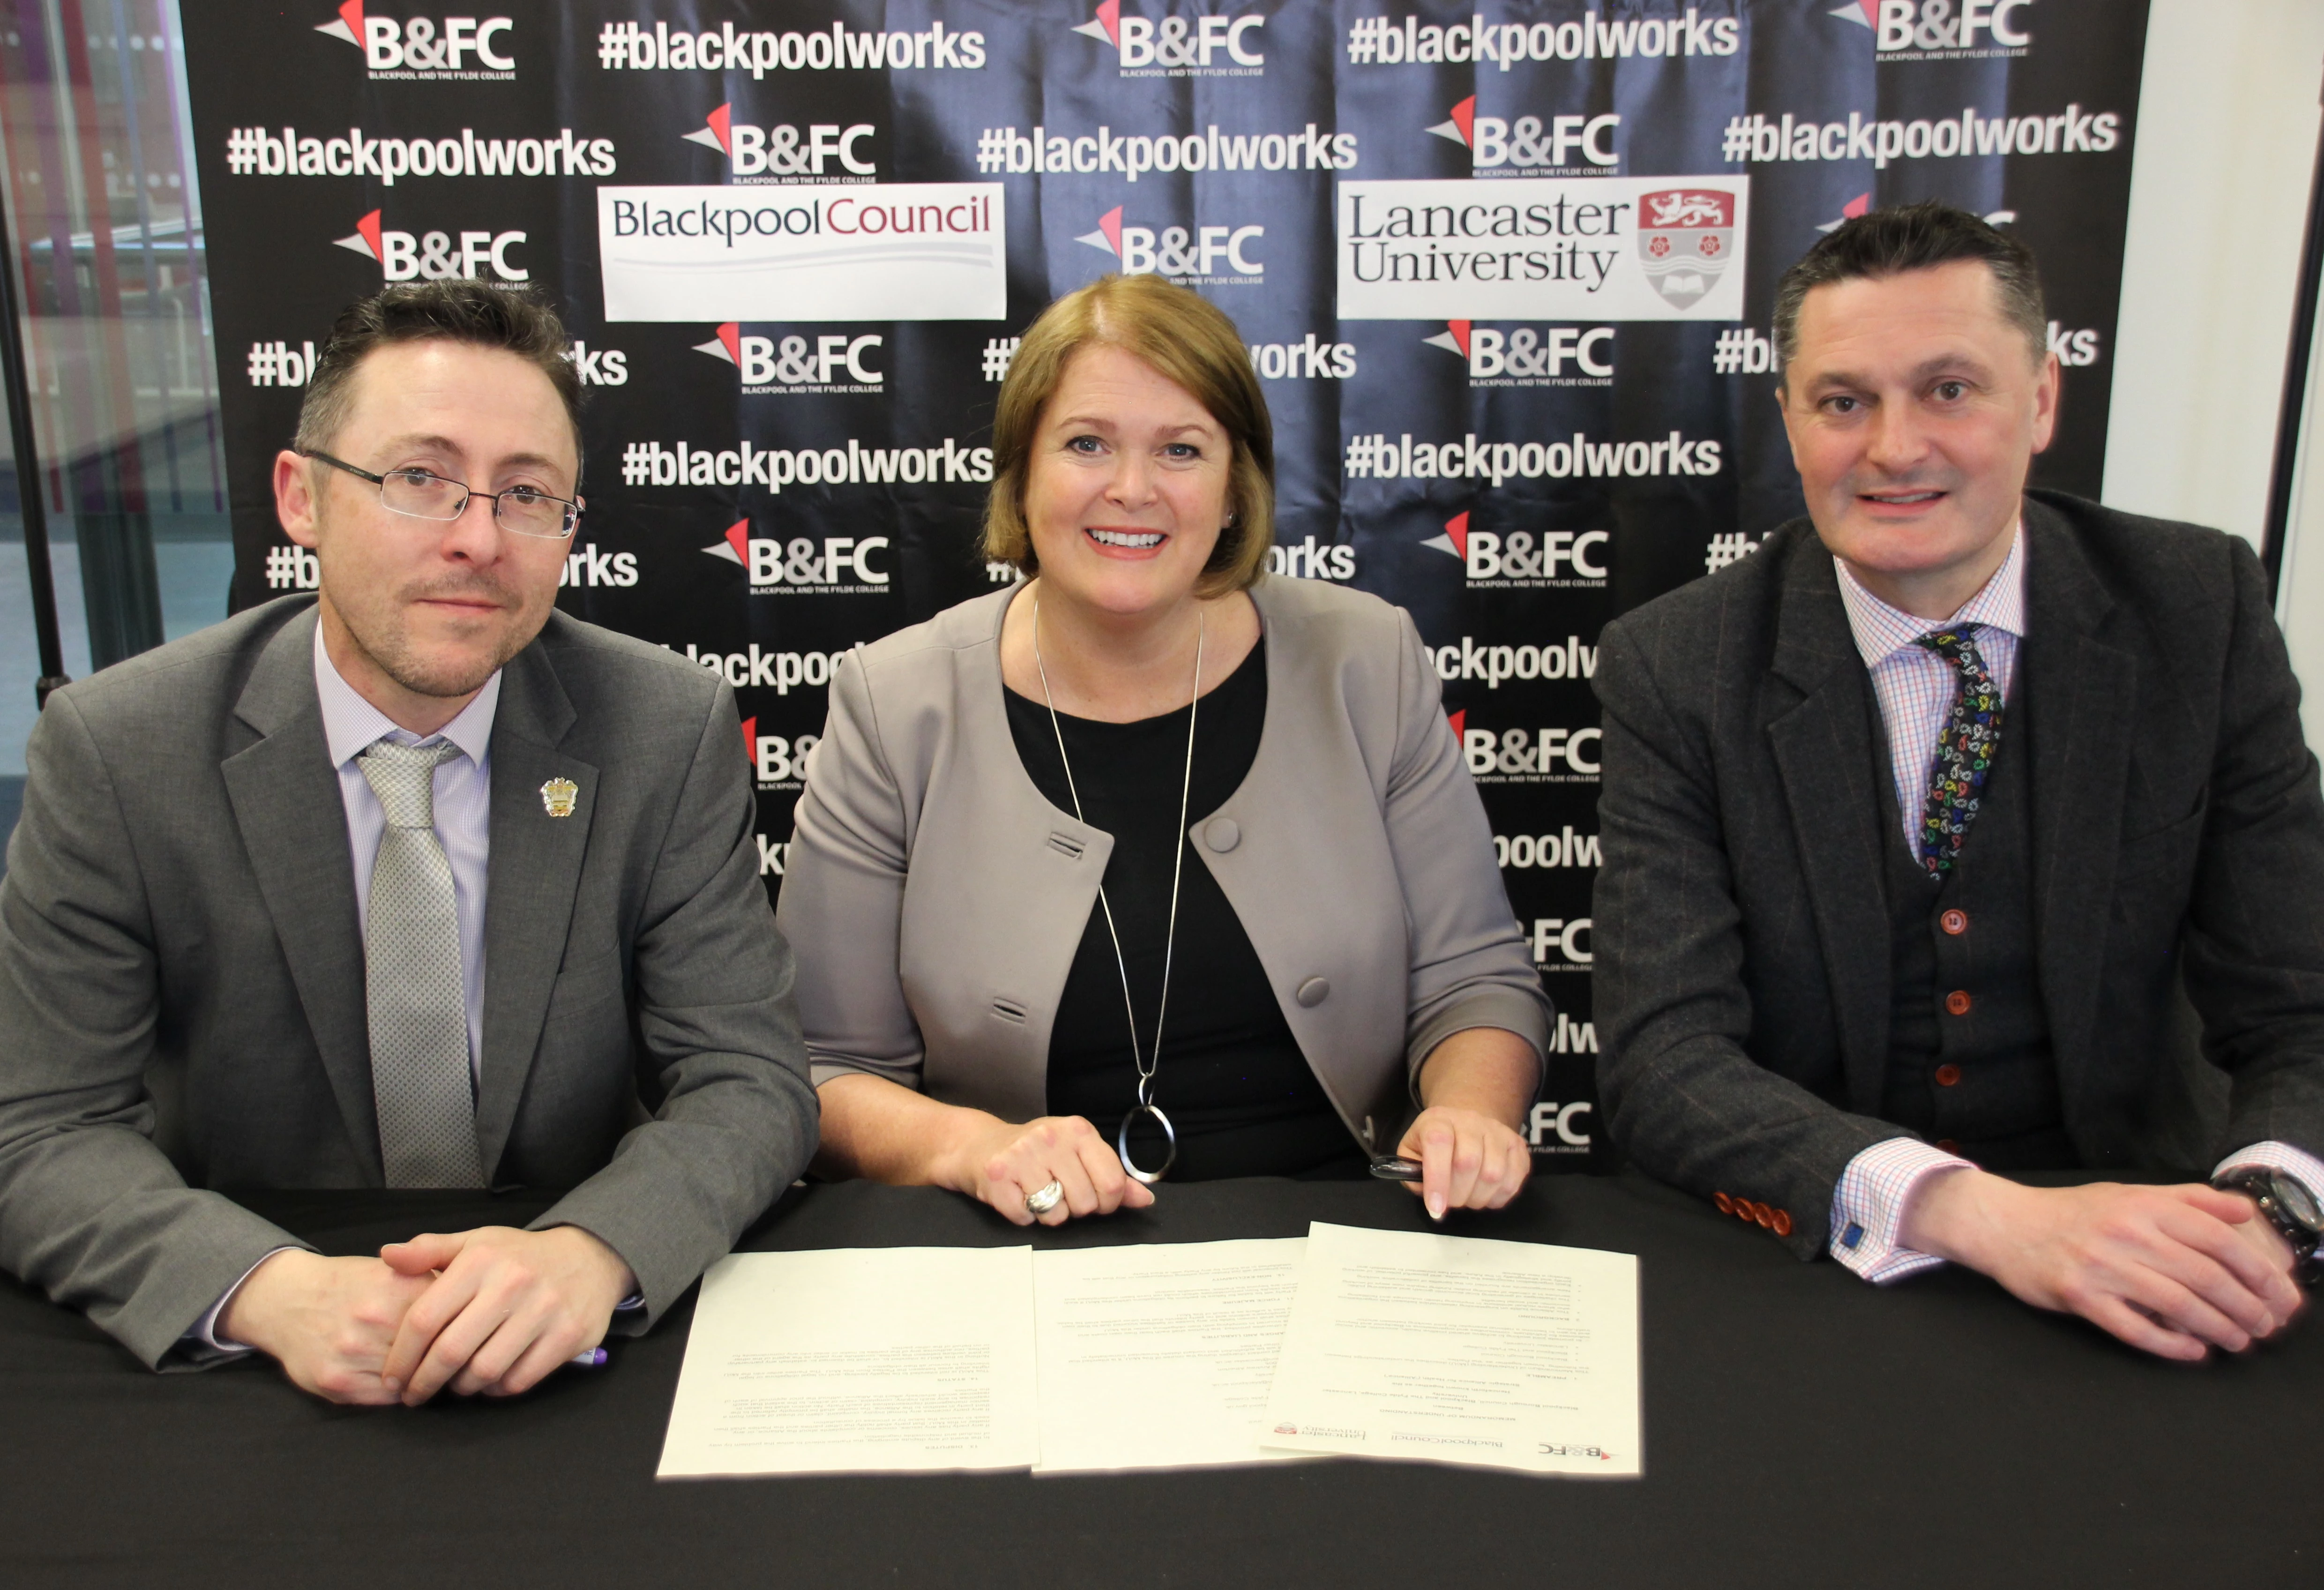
(1504, 269)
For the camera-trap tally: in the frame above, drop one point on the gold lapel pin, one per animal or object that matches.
(557, 795)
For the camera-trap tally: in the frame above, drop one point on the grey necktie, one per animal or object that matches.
(411, 958)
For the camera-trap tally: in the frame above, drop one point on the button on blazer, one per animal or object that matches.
(935, 899)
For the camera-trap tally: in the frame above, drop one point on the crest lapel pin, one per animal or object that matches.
(557, 795)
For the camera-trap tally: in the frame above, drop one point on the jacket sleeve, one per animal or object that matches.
(736, 1121)
(1470, 965)
(1681, 1093)
(91, 1210)
(2253, 940)
(842, 895)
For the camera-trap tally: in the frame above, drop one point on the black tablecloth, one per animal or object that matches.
(1802, 1429)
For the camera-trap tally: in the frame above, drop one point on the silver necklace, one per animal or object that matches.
(1145, 1061)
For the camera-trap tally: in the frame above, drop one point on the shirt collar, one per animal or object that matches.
(1882, 631)
(352, 725)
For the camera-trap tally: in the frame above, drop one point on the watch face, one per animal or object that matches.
(2299, 1203)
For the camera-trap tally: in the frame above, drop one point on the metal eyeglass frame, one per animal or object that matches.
(572, 510)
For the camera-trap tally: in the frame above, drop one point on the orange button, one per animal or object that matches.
(1958, 1002)
(1954, 922)
(1947, 1075)
(1948, 1145)
(1763, 1214)
(1782, 1226)
(1725, 1204)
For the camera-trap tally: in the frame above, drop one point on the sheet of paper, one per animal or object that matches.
(1159, 1355)
(1461, 1350)
(858, 1359)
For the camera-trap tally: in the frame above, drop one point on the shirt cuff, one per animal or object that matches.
(204, 1333)
(1867, 1208)
(2297, 1164)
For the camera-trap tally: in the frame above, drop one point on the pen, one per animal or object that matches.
(1396, 1170)
(594, 1358)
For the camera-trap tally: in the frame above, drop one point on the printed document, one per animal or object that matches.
(1159, 1355)
(862, 1359)
(1463, 1350)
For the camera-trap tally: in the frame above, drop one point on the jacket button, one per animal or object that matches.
(1222, 835)
(1311, 993)
(1949, 1146)
(1947, 1074)
(1955, 922)
(1724, 1204)
(1958, 1002)
(1763, 1214)
(1783, 1226)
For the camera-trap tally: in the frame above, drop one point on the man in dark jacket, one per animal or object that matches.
(1917, 823)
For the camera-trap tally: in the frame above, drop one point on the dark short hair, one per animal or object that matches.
(1914, 237)
(462, 311)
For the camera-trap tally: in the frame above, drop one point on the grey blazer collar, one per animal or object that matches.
(294, 831)
(1817, 707)
(536, 870)
(287, 804)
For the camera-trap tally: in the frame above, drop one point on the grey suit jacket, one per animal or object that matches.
(935, 899)
(178, 924)
(1742, 978)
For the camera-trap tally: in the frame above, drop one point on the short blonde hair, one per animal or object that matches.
(1190, 341)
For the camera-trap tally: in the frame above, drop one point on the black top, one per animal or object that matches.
(1230, 1076)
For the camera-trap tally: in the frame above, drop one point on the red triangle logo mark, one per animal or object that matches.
(1464, 116)
(1459, 330)
(368, 230)
(1457, 527)
(1109, 17)
(730, 337)
(751, 743)
(737, 536)
(1460, 721)
(720, 123)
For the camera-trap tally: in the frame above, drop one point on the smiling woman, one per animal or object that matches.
(1001, 937)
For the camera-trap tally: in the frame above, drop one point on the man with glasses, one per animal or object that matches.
(412, 884)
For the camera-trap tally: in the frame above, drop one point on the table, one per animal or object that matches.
(1802, 1429)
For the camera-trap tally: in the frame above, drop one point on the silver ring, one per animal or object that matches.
(1042, 1200)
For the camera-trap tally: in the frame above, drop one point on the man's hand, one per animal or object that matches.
(2173, 1270)
(500, 1308)
(329, 1322)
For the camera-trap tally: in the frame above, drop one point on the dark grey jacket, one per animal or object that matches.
(1742, 973)
(178, 922)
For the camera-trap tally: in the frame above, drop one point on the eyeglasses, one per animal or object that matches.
(523, 510)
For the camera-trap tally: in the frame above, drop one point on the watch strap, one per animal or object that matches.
(2258, 1183)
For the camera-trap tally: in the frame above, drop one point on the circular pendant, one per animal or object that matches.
(1170, 1136)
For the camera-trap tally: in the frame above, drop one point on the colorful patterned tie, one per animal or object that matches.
(1964, 751)
(419, 1013)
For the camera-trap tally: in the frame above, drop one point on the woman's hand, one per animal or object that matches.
(1474, 1085)
(1468, 1160)
(1005, 1164)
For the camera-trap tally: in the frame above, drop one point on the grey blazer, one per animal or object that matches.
(935, 899)
(180, 961)
(1742, 978)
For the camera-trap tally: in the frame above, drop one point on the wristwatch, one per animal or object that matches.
(2287, 1205)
